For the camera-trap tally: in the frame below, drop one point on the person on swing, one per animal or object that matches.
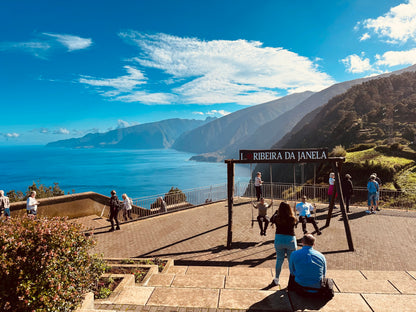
(262, 215)
(305, 209)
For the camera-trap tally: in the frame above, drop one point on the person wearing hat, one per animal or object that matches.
(372, 187)
(114, 207)
(305, 209)
(378, 180)
(347, 190)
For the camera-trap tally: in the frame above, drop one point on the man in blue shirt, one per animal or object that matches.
(305, 209)
(372, 187)
(307, 267)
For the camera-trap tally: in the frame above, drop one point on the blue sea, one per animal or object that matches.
(135, 172)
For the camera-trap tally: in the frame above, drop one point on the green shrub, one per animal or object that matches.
(45, 265)
(338, 151)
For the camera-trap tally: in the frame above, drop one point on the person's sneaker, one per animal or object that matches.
(319, 233)
(261, 233)
(111, 230)
(378, 209)
(117, 228)
(276, 281)
(367, 211)
(373, 212)
(264, 233)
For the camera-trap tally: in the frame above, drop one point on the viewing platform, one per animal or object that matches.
(379, 275)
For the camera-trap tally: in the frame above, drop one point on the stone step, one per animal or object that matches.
(207, 287)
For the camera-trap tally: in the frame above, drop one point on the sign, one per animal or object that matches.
(286, 155)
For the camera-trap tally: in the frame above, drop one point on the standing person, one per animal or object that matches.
(372, 187)
(127, 202)
(114, 206)
(163, 206)
(331, 188)
(305, 209)
(4, 205)
(32, 205)
(307, 268)
(378, 180)
(347, 190)
(285, 239)
(257, 184)
(262, 215)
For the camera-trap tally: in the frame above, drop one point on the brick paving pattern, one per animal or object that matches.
(197, 236)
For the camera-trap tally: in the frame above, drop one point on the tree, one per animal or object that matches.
(15, 197)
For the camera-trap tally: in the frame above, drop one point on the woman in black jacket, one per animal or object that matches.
(285, 239)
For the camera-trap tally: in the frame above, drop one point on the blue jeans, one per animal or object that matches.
(372, 198)
(284, 245)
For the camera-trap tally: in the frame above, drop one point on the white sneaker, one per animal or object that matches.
(276, 281)
(368, 211)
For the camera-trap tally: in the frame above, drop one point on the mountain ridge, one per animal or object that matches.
(153, 135)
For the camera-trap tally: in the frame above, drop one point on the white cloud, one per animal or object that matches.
(43, 45)
(365, 37)
(397, 25)
(198, 113)
(123, 124)
(355, 64)
(61, 131)
(122, 84)
(223, 71)
(71, 42)
(220, 112)
(147, 98)
(37, 48)
(11, 135)
(394, 58)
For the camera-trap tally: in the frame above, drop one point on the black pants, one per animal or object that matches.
(260, 220)
(326, 292)
(258, 192)
(114, 217)
(293, 286)
(347, 203)
(304, 220)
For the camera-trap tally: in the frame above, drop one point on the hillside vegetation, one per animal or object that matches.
(395, 166)
(379, 111)
(375, 122)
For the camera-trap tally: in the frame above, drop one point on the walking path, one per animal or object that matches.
(380, 275)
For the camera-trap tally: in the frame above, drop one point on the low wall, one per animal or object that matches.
(71, 206)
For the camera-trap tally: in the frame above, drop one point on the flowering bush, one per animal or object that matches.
(45, 265)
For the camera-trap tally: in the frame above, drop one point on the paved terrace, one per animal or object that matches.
(380, 275)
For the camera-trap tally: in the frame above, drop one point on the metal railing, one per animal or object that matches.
(183, 199)
(152, 205)
(403, 200)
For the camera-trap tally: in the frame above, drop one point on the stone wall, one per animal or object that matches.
(71, 206)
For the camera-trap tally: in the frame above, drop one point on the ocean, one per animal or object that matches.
(137, 173)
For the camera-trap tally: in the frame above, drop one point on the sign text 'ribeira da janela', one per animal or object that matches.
(287, 155)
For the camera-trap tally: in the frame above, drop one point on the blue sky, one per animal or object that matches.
(68, 68)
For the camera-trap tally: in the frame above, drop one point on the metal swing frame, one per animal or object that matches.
(252, 193)
(269, 156)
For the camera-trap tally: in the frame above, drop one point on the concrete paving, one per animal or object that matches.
(379, 275)
(252, 292)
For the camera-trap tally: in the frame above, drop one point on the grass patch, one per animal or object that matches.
(377, 158)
